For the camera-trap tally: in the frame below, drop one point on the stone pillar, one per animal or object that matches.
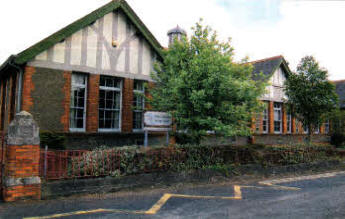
(22, 179)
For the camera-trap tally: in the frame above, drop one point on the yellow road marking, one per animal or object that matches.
(86, 212)
(238, 193)
(153, 210)
(299, 178)
(156, 207)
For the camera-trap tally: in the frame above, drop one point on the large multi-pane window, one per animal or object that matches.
(138, 105)
(265, 119)
(78, 102)
(109, 108)
(277, 117)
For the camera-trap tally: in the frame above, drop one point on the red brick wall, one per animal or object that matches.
(284, 120)
(22, 192)
(22, 161)
(293, 125)
(28, 87)
(127, 102)
(67, 100)
(92, 103)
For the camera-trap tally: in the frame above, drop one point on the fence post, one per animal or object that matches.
(22, 179)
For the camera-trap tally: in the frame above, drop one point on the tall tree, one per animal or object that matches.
(310, 94)
(203, 88)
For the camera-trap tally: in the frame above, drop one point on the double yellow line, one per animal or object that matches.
(153, 210)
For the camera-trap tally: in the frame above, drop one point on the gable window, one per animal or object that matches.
(109, 108)
(277, 118)
(265, 119)
(138, 105)
(78, 102)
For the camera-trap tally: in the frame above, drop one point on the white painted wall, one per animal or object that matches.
(274, 91)
(138, 53)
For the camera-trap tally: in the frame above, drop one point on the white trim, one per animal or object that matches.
(157, 129)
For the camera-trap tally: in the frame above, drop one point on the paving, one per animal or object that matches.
(313, 196)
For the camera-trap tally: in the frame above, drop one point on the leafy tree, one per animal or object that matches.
(203, 88)
(310, 94)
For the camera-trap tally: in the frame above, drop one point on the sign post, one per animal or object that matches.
(157, 122)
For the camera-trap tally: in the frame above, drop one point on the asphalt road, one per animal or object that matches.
(310, 197)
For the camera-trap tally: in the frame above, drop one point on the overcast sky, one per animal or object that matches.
(258, 28)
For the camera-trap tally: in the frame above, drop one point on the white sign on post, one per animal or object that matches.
(157, 122)
(157, 119)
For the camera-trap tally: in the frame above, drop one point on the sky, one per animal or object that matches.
(258, 28)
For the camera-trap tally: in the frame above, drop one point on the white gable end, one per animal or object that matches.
(275, 89)
(91, 50)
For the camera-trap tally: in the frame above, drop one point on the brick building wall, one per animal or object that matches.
(92, 104)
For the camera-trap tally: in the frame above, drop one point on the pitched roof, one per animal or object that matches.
(268, 66)
(340, 90)
(62, 34)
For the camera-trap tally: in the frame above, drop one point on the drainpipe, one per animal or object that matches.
(20, 86)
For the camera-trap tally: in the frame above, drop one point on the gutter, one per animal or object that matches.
(20, 85)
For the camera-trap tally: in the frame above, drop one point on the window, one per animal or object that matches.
(305, 129)
(138, 105)
(297, 126)
(289, 122)
(265, 119)
(257, 122)
(277, 117)
(327, 127)
(78, 102)
(317, 129)
(109, 108)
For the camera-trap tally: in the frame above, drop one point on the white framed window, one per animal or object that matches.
(265, 120)
(78, 102)
(305, 129)
(110, 104)
(317, 129)
(277, 118)
(326, 127)
(138, 105)
(257, 122)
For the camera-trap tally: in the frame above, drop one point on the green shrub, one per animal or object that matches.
(53, 140)
(338, 139)
(136, 160)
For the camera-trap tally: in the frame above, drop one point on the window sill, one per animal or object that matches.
(109, 130)
(76, 130)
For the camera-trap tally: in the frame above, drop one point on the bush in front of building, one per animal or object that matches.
(53, 140)
(134, 160)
